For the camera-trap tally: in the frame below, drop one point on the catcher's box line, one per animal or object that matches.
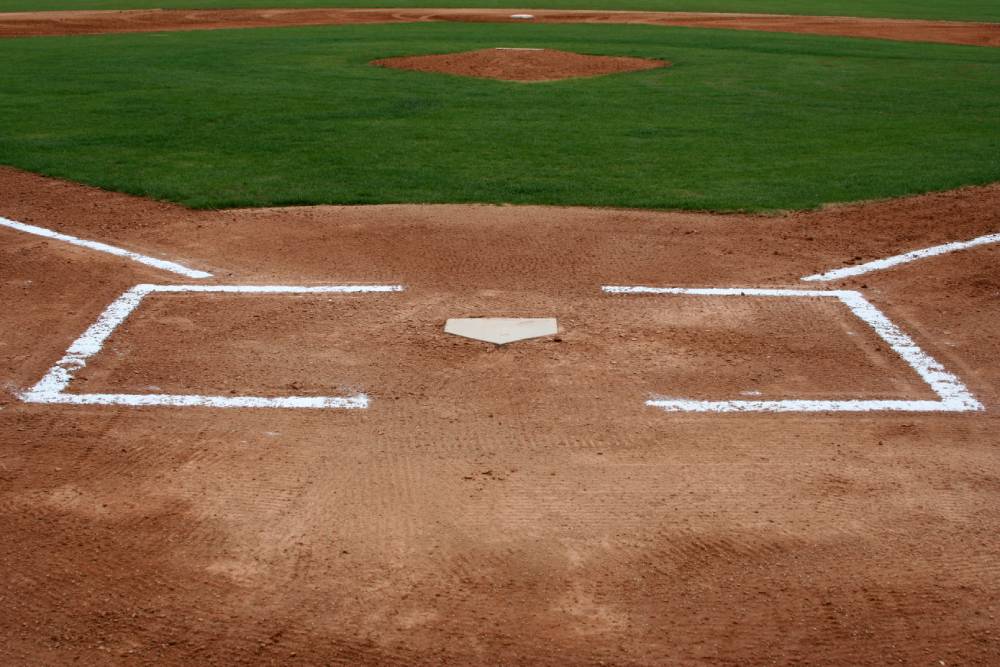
(895, 260)
(52, 387)
(953, 395)
(162, 264)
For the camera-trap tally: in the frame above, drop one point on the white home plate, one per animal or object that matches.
(501, 330)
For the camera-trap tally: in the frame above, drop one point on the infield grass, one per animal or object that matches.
(742, 121)
(954, 10)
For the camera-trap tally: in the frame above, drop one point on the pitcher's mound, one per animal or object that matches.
(521, 64)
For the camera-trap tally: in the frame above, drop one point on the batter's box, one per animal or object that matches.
(952, 394)
(53, 387)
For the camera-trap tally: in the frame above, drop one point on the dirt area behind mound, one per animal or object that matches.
(510, 64)
(24, 24)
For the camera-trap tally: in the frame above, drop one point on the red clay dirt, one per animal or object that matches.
(25, 24)
(515, 505)
(508, 64)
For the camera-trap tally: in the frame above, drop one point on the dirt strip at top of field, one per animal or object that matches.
(27, 24)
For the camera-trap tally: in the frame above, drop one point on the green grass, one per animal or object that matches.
(955, 10)
(742, 121)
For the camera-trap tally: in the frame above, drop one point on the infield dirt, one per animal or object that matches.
(518, 505)
(25, 24)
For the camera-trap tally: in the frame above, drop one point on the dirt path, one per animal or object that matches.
(517, 505)
(97, 22)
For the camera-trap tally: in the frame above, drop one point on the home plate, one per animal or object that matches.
(502, 330)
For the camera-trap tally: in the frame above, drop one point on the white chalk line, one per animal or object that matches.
(52, 388)
(953, 395)
(896, 260)
(162, 264)
(356, 401)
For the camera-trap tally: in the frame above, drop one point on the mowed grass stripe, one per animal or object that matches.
(953, 10)
(742, 121)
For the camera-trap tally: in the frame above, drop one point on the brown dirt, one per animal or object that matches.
(521, 64)
(94, 22)
(497, 506)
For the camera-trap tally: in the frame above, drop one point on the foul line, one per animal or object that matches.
(895, 260)
(173, 267)
(52, 388)
(953, 395)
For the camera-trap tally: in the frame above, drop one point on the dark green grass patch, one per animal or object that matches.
(747, 121)
(954, 10)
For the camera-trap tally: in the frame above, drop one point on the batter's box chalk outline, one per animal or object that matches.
(954, 396)
(161, 264)
(52, 388)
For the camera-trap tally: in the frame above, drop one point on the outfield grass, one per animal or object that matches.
(742, 121)
(954, 10)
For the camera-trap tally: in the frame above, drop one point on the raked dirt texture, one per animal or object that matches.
(520, 504)
(235, 431)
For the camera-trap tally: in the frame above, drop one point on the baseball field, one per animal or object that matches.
(235, 431)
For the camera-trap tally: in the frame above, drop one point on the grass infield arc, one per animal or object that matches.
(741, 121)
